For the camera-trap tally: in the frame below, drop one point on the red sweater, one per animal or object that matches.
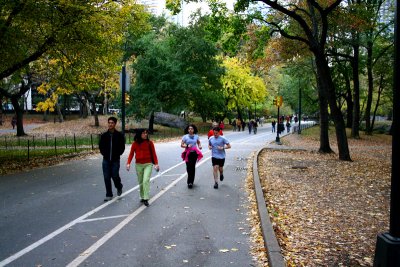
(142, 152)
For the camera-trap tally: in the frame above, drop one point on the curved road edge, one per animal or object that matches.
(275, 257)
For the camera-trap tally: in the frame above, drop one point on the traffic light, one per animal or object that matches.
(127, 98)
(277, 101)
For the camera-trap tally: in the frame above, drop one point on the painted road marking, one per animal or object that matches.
(87, 253)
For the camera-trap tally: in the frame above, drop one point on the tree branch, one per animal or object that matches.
(40, 51)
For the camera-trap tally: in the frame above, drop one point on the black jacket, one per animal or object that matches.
(112, 145)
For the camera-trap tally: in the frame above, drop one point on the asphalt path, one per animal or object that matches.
(55, 216)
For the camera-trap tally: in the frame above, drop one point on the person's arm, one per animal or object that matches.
(198, 143)
(183, 144)
(154, 154)
(122, 144)
(227, 146)
(130, 157)
(101, 144)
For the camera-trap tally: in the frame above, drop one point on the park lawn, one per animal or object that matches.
(328, 212)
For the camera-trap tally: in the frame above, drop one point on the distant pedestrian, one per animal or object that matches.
(218, 144)
(273, 125)
(143, 150)
(250, 126)
(221, 125)
(191, 144)
(234, 125)
(239, 124)
(14, 122)
(112, 146)
(255, 126)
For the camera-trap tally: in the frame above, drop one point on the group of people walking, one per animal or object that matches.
(252, 125)
(112, 146)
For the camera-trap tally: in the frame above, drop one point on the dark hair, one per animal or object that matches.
(194, 129)
(216, 129)
(138, 135)
(113, 119)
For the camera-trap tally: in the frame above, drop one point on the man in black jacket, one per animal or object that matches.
(112, 146)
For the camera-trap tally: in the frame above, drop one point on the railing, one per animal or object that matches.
(27, 147)
(42, 146)
(303, 125)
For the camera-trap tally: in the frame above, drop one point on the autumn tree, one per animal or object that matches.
(241, 89)
(58, 30)
(312, 19)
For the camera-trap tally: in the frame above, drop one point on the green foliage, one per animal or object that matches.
(224, 28)
(175, 69)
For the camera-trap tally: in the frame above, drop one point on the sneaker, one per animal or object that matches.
(141, 200)
(221, 177)
(146, 202)
(216, 185)
(190, 186)
(107, 198)
(119, 191)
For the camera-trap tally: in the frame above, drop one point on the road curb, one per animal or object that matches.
(275, 258)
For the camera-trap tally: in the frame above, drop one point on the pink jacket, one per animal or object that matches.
(185, 154)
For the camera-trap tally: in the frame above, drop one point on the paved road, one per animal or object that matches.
(56, 216)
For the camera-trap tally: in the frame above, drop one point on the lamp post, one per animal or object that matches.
(278, 140)
(123, 91)
(387, 250)
(255, 112)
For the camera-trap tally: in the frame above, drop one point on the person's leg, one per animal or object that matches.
(107, 177)
(146, 180)
(139, 172)
(191, 167)
(115, 165)
(221, 163)
(215, 173)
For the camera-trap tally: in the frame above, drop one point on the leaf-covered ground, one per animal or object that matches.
(328, 212)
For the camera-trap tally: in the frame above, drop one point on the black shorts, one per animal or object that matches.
(219, 162)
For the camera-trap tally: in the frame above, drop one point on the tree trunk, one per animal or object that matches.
(59, 114)
(324, 146)
(19, 112)
(105, 105)
(328, 88)
(367, 115)
(45, 117)
(151, 122)
(239, 112)
(85, 109)
(96, 117)
(377, 102)
(349, 102)
(355, 129)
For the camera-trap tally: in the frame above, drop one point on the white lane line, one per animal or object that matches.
(103, 218)
(87, 253)
(72, 223)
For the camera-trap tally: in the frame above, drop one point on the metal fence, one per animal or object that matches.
(42, 146)
(27, 147)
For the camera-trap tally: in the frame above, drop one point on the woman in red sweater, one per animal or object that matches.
(146, 157)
